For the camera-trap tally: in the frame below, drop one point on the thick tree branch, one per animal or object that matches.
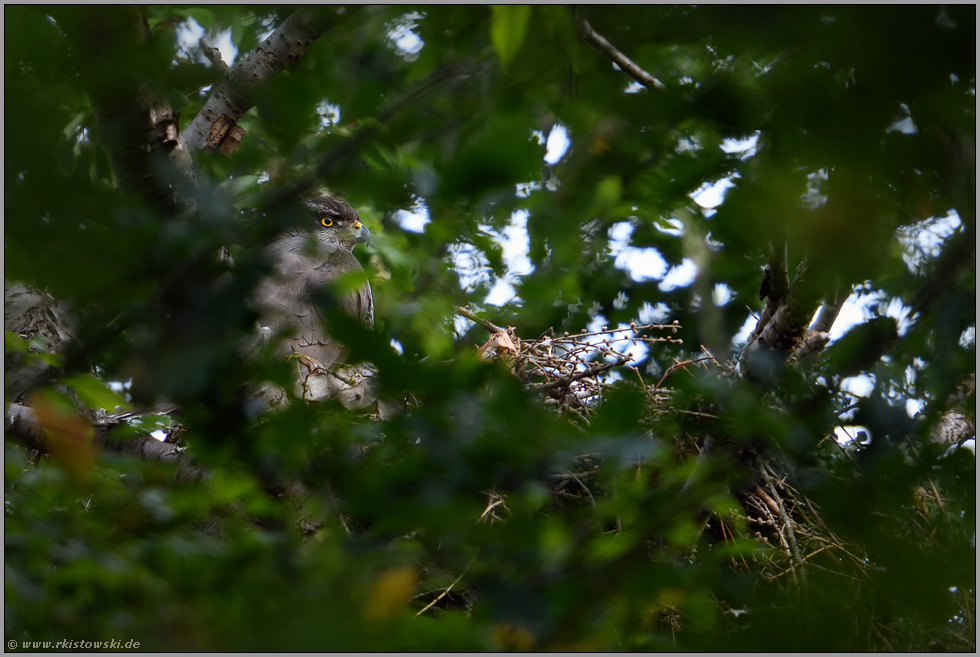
(21, 423)
(621, 60)
(236, 93)
(781, 332)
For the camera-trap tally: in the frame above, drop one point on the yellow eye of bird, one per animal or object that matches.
(327, 221)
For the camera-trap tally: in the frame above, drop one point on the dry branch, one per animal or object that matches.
(621, 60)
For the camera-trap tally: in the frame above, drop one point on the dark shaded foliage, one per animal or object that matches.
(319, 529)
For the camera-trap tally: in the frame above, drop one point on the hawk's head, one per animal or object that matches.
(337, 222)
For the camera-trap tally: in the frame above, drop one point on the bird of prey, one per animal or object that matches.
(304, 262)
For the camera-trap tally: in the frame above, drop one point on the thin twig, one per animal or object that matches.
(939, 500)
(784, 517)
(561, 476)
(804, 559)
(673, 368)
(580, 375)
(621, 60)
(445, 592)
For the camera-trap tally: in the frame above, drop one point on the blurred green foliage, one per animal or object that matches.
(438, 107)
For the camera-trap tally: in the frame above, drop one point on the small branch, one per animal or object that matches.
(213, 54)
(236, 93)
(563, 476)
(485, 323)
(619, 58)
(676, 366)
(699, 466)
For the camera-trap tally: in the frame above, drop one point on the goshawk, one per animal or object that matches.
(304, 263)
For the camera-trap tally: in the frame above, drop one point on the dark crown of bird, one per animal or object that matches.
(337, 222)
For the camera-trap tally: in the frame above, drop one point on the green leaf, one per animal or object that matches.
(508, 29)
(14, 343)
(204, 17)
(94, 393)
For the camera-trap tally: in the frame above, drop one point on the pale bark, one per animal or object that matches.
(236, 93)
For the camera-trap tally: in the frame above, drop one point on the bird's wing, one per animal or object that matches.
(285, 300)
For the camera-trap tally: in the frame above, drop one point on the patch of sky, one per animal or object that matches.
(397, 346)
(676, 226)
(913, 406)
(473, 268)
(268, 24)
(852, 434)
(515, 243)
(402, 37)
(650, 314)
(121, 387)
(858, 386)
(746, 147)
(414, 219)
(910, 376)
(865, 303)
(461, 325)
(710, 195)
(329, 114)
(642, 264)
(813, 198)
(690, 143)
(557, 144)
(903, 123)
(968, 337)
(924, 240)
(189, 34)
(634, 87)
(721, 294)
(502, 292)
(524, 189)
(680, 275)
(742, 336)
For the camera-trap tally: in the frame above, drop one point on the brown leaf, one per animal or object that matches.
(390, 593)
(67, 436)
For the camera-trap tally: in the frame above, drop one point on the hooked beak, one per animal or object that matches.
(361, 234)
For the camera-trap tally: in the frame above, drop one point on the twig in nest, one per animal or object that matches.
(787, 524)
(676, 366)
(803, 560)
(619, 58)
(561, 476)
(495, 501)
(445, 591)
(580, 375)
